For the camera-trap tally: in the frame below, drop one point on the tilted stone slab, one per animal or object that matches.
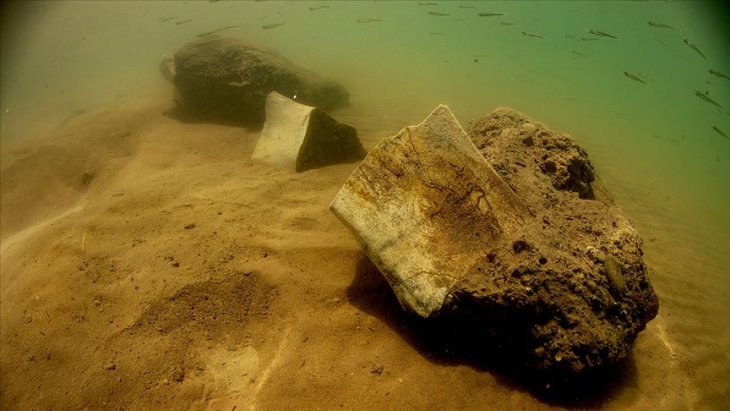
(424, 203)
(304, 137)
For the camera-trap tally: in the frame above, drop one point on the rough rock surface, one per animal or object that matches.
(304, 137)
(225, 79)
(523, 251)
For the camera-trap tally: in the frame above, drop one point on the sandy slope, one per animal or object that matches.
(148, 263)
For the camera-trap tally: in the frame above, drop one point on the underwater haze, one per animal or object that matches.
(643, 86)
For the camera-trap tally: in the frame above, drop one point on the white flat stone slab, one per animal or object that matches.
(302, 137)
(424, 204)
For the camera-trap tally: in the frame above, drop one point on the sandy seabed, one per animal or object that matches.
(148, 263)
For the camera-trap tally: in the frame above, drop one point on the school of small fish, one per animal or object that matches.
(593, 35)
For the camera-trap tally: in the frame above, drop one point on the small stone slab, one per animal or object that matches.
(304, 137)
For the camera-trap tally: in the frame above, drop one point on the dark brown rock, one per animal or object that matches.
(227, 80)
(425, 204)
(569, 290)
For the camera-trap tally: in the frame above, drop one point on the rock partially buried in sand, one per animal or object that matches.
(304, 137)
(225, 79)
(511, 241)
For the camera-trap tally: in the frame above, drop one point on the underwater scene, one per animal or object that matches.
(365, 205)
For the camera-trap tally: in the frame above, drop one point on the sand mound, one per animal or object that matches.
(46, 174)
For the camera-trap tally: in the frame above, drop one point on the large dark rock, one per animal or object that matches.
(227, 80)
(505, 234)
(568, 291)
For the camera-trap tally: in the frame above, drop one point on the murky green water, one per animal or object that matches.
(658, 145)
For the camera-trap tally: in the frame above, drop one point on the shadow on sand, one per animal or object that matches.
(444, 344)
(180, 115)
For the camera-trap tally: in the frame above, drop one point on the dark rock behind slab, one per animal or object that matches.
(568, 292)
(226, 80)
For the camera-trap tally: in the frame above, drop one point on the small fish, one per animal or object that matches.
(272, 26)
(634, 77)
(165, 19)
(601, 33)
(670, 139)
(718, 74)
(467, 7)
(578, 53)
(533, 35)
(718, 131)
(507, 23)
(80, 40)
(706, 98)
(435, 33)
(660, 25)
(218, 30)
(436, 13)
(177, 23)
(490, 14)
(367, 20)
(317, 8)
(239, 83)
(427, 3)
(588, 38)
(693, 47)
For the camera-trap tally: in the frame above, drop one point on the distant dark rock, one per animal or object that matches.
(226, 80)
